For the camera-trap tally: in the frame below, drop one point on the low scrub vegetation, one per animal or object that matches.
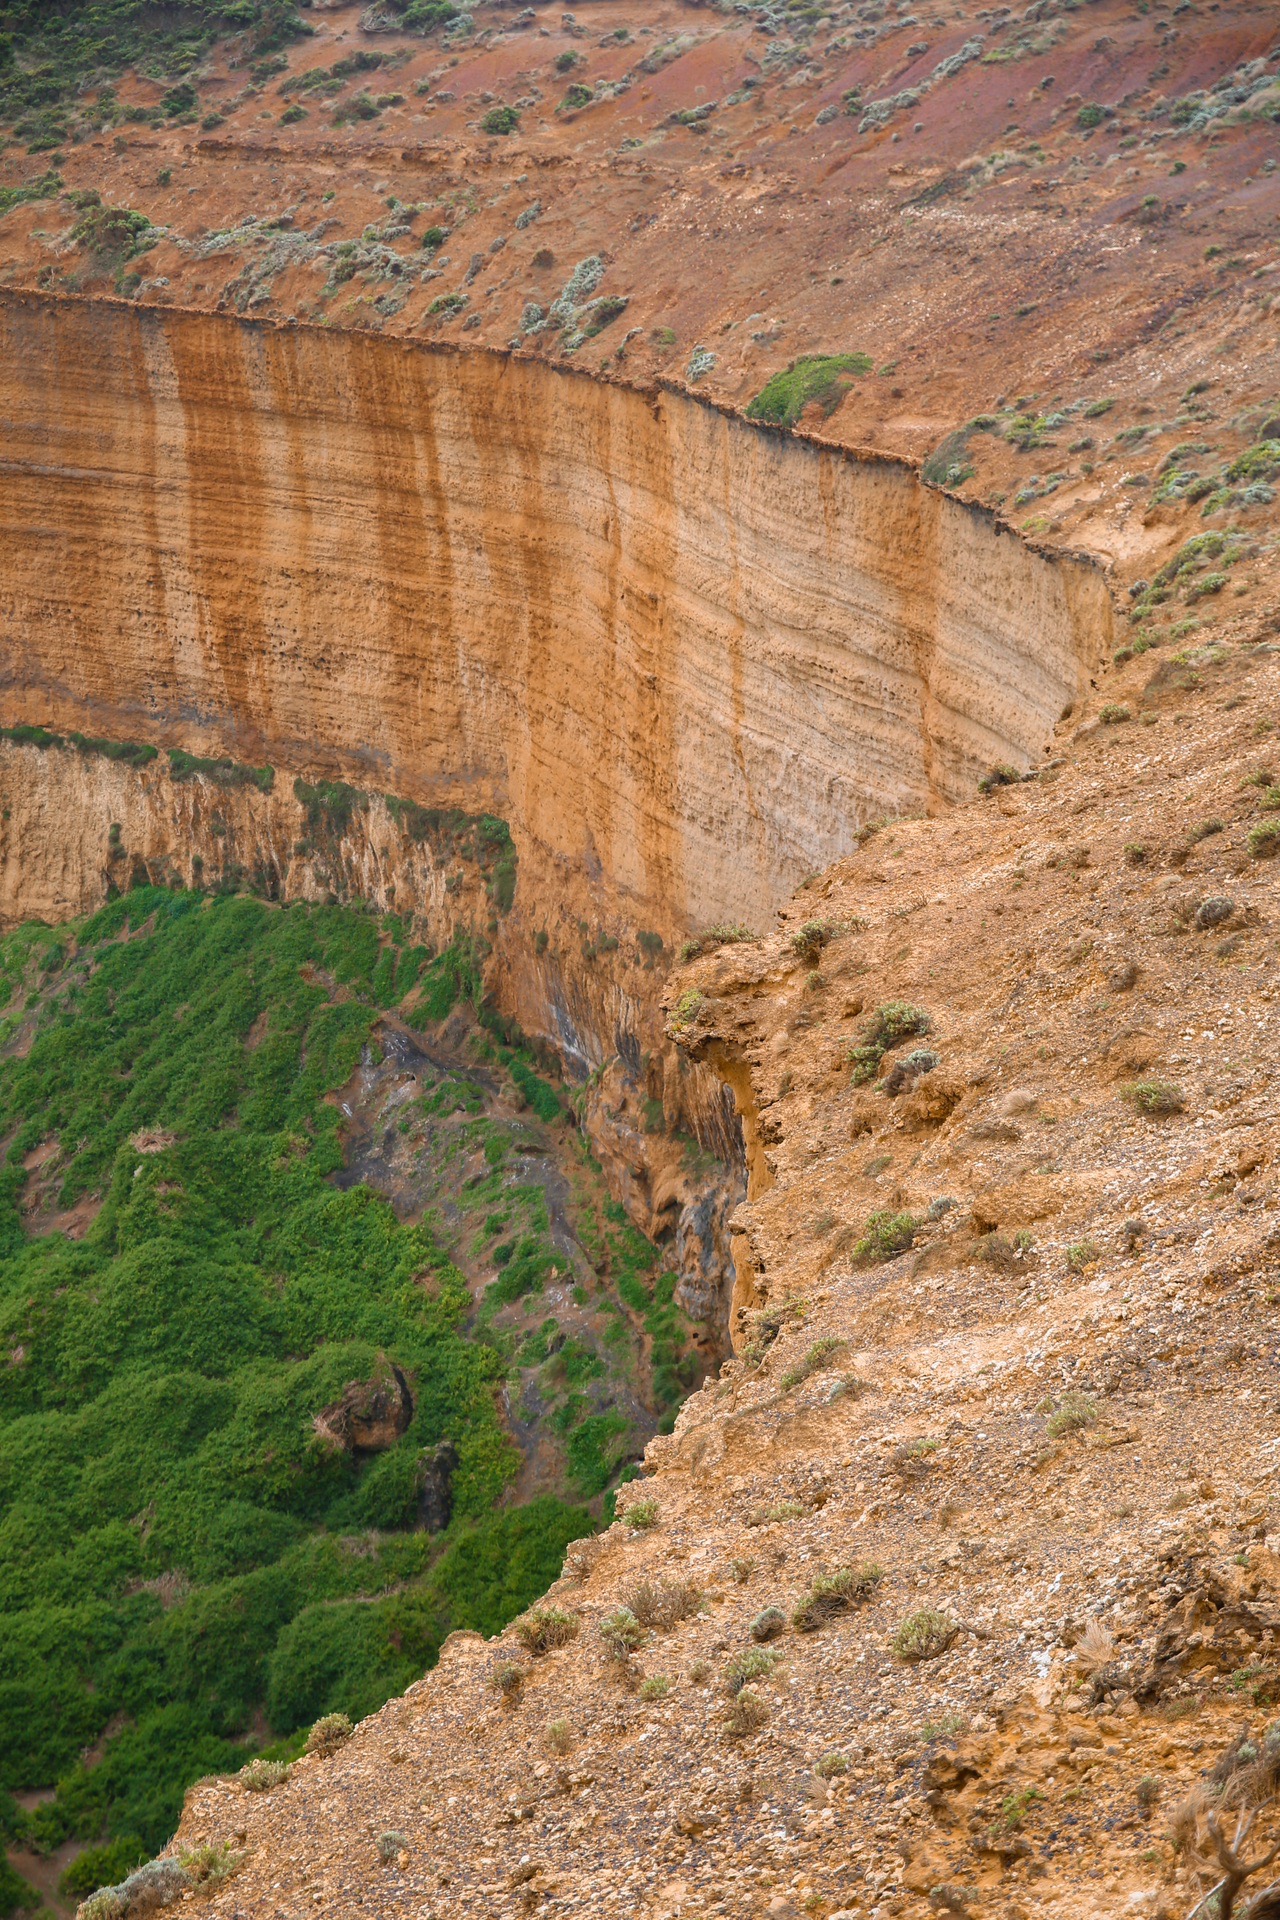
(1154, 1098)
(545, 1628)
(885, 1235)
(891, 1024)
(924, 1635)
(1073, 1413)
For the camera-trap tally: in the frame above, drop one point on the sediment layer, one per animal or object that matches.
(684, 657)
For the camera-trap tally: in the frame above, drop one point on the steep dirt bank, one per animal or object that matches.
(1049, 1419)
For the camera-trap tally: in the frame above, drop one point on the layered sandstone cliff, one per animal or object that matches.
(684, 658)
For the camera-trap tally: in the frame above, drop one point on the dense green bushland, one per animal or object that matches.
(49, 49)
(185, 1566)
(59, 59)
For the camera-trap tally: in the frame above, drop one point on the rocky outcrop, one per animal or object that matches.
(371, 1415)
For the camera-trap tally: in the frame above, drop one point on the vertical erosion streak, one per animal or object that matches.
(684, 656)
(217, 472)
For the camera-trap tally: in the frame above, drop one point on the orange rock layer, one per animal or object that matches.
(685, 658)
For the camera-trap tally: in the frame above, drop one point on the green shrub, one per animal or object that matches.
(110, 235)
(830, 1765)
(754, 1663)
(330, 1732)
(656, 1687)
(222, 773)
(924, 1635)
(500, 120)
(641, 1515)
(507, 1680)
(809, 940)
(1072, 1413)
(424, 16)
(1154, 1097)
(131, 752)
(748, 1712)
(814, 379)
(886, 1233)
(261, 1775)
(1259, 462)
(892, 1023)
(768, 1624)
(1264, 840)
(621, 1633)
(817, 1356)
(42, 188)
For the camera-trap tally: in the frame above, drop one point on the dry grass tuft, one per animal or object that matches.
(836, 1593)
(664, 1604)
(1095, 1649)
(546, 1627)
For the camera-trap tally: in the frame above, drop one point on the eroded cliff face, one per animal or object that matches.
(77, 825)
(683, 657)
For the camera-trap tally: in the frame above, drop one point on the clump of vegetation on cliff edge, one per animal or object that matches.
(815, 378)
